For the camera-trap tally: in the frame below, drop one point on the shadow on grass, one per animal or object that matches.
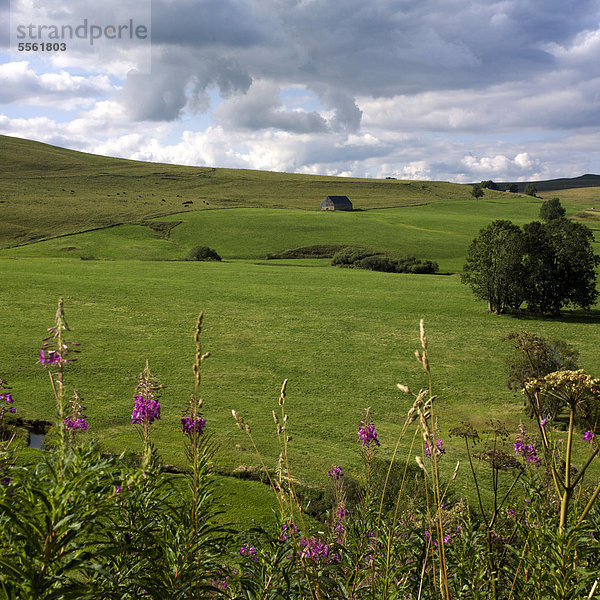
(567, 316)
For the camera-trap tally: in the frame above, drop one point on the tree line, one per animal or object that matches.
(545, 265)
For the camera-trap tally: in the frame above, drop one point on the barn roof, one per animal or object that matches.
(339, 200)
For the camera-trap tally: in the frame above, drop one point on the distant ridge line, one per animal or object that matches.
(563, 183)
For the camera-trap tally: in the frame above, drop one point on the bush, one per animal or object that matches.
(347, 257)
(202, 253)
(411, 264)
(377, 263)
(362, 258)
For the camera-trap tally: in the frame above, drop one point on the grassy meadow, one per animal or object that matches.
(343, 338)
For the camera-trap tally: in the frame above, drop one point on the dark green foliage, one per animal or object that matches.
(530, 189)
(552, 209)
(489, 185)
(202, 253)
(376, 263)
(513, 188)
(549, 266)
(410, 264)
(362, 258)
(347, 257)
(476, 190)
(80, 525)
(560, 264)
(51, 520)
(494, 268)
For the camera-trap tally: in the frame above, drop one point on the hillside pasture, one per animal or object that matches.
(438, 231)
(343, 338)
(49, 191)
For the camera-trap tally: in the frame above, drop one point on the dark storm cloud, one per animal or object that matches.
(234, 24)
(341, 50)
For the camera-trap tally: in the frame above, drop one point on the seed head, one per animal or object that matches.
(422, 333)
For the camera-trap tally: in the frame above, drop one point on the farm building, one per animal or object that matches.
(336, 203)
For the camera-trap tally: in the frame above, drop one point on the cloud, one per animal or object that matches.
(261, 108)
(443, 89)
(20, 83)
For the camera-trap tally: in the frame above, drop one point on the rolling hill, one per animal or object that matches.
(49, 191)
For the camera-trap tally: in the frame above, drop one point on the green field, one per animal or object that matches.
(343, 338)
(49, 191)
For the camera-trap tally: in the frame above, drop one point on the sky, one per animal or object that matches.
(451, 90)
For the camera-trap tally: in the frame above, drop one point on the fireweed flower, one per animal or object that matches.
(315, 550)
(335, 472)
(76, 421)
(189, 425)
(52, 358)
(8, 399)
(438, 448)
(589, 436)
(367, 435)
(146, 409)
(526, 451)
(248, 552)
(56, 350)
(287, 529)
(146, 406)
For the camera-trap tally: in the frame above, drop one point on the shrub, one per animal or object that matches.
(361, 258)
(377, 263)
(416, 265)
(347, 257)
(202, 253)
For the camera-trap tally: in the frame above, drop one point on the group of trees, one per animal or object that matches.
(478, 188)
(546, 265)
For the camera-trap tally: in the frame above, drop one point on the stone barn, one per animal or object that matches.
(336, 203)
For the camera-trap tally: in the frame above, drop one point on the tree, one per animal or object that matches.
(476, 191)
(552, 209)
(513, 188)
(202, 253)
(488, 185)
(494, 266)
(548, 265)
(560, 265)
(530, 189)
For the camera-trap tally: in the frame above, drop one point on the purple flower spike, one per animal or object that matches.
(79, 424)
(53, 357)
(7, 398)
(76, 421)
(248, 551)
(439, 448)
(367, 435)
(526, 451)
(145, 410)
(188, 425)
(589, 436)
(335, 472)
